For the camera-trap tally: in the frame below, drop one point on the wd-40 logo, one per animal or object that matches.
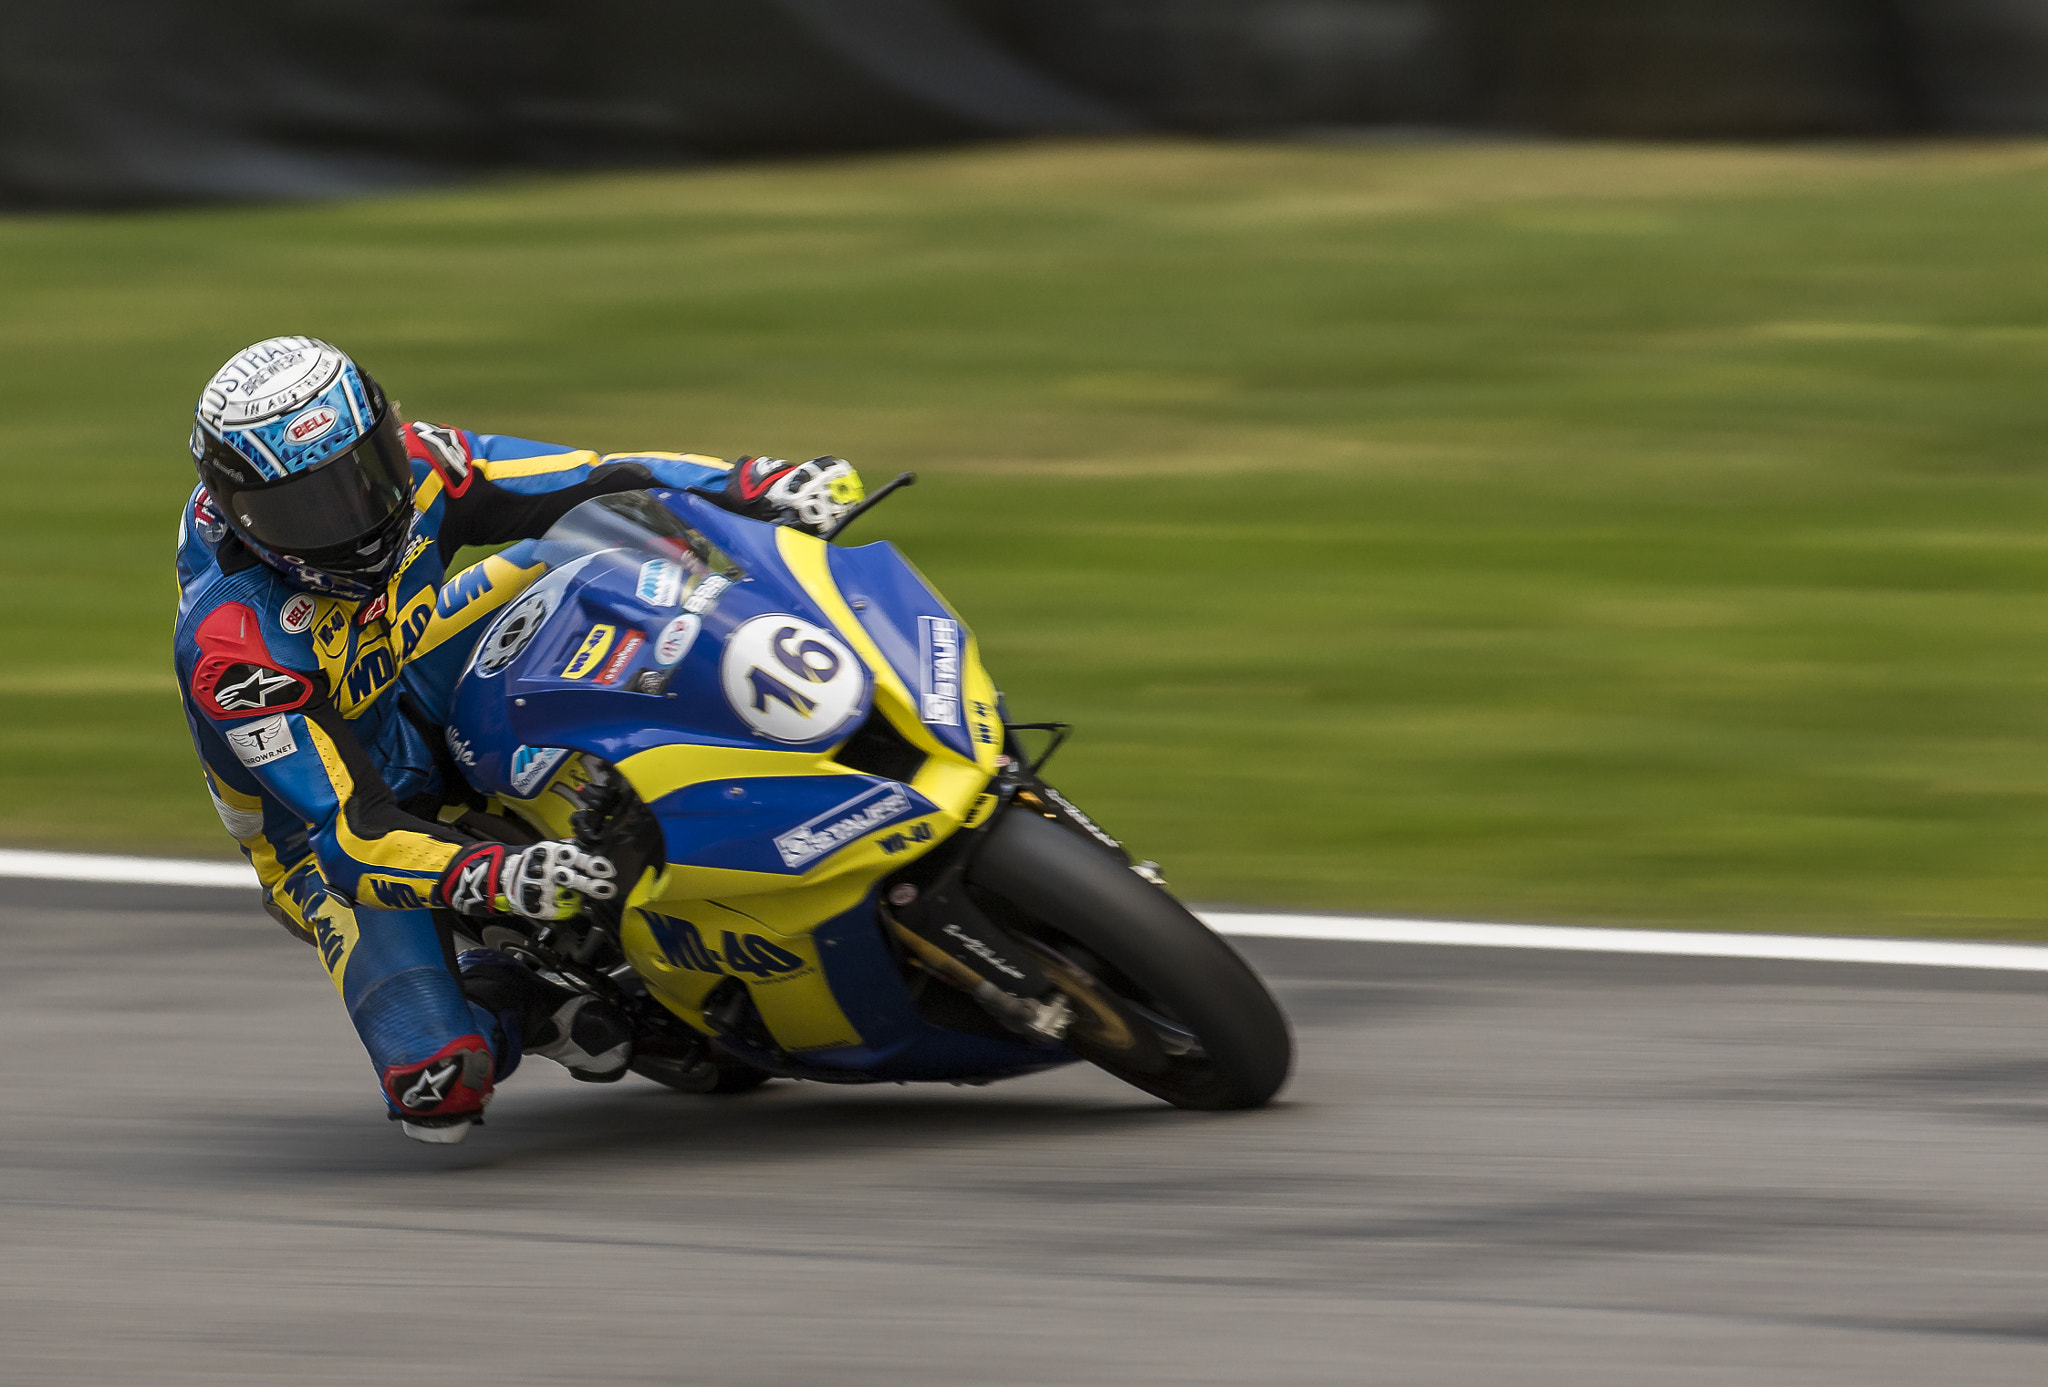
(330, 635)
(414, 625)
(461, 590)
(373, 669)
(594, 648)
(334, 929)
(894, 843)
(684, 946)
(389, 893)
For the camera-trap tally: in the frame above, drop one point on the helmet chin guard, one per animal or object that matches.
(303, 458)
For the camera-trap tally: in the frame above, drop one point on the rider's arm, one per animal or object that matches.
(275, 723)
(499, 489)
(369, 849)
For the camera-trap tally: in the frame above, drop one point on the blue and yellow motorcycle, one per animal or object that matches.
(837, 857)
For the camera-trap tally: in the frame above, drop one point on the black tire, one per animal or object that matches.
(716, 1074)
(1047, 883)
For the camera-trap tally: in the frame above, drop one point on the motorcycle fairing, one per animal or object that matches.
(768, 842)
(913, 630)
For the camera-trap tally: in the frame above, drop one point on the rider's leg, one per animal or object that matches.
(435, 1054)
(586, 1036)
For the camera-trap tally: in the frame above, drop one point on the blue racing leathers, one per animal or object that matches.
(317, 720)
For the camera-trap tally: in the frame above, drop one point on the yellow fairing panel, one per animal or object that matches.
(688, 928)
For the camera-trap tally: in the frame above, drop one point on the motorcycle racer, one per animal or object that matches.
(319, 637)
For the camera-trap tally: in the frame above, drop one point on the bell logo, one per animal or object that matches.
(313, 423)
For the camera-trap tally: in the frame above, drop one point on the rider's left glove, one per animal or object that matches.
(813, 496)
(546, 882)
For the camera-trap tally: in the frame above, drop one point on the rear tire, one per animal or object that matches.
(1051, 885)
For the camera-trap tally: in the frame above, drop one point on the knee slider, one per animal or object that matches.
(453, 1082)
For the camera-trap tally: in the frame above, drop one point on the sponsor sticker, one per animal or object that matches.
(676, 638)
(330, 632)
(661, 583)
(939, 674)
(531, 767)
(789, 679)
(512, 632)
(629, 645)
(706, 595)
(314, 423)
(297, 613)
(260, 743)
(458, 747)
(836, 827)
(596, 644)
(207, 520)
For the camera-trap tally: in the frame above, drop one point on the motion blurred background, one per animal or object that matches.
(1560, 459)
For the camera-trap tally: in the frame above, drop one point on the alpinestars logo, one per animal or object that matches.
(431, 1087)
(449, 455)
(251, 688)
(472, 882)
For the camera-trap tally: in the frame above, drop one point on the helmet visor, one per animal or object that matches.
(325, 515)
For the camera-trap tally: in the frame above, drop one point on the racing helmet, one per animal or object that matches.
(303, 457)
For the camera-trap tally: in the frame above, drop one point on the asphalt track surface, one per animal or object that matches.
(1493, 1166)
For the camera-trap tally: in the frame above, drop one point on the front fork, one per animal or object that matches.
(931, 914)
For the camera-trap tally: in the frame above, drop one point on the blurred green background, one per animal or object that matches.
(1606, 534)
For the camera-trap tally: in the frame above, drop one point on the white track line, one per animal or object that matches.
(141, 871)
(1359, 929)
(1818, 948)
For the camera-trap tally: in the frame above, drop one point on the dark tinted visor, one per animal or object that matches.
(342, 502)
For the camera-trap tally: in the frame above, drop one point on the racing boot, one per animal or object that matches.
(586, 1035)
(438, 1099)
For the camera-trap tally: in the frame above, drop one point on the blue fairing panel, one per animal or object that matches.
(914, 628)
(899, 1043)
(785, 824)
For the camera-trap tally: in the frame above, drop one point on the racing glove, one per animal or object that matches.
(813, 496)
(546, 882)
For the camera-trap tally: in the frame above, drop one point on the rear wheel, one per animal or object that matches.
(1160, 1001)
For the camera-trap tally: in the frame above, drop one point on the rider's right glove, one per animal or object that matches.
(813, 496)
(546, 882)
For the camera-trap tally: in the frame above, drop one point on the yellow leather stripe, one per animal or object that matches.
(427, 492)
(398, 851)
(539, 466)
(665, 769)
(720, 463)
(806, 557)
(230, 796)
(507, 581)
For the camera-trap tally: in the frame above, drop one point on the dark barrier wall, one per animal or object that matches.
(135, 101)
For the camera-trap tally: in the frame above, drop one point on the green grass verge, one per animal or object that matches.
(1606, 534)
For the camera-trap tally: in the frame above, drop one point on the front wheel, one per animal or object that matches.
(1161, 1002)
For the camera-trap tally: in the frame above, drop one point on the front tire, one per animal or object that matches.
(1173, 977)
